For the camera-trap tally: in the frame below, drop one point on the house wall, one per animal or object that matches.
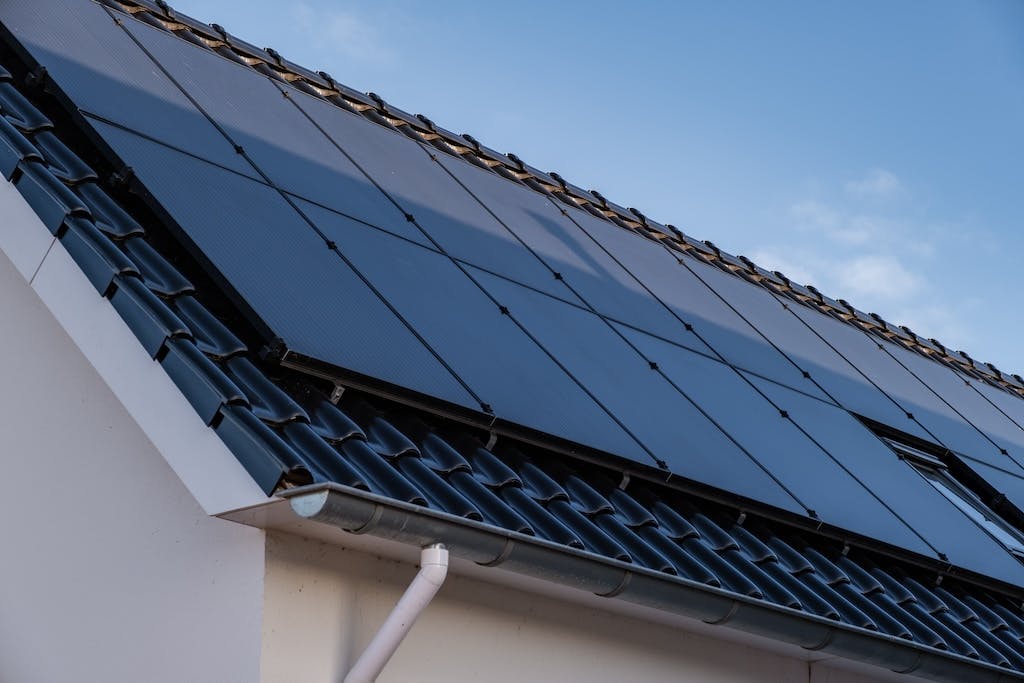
(109, 568)
(324, 603)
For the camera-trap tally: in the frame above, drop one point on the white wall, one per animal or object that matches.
(323, 603)
(109, 569)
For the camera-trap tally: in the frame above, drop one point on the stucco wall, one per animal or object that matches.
(324, 603)
(109, 569)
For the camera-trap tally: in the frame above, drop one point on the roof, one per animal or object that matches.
(290, 428)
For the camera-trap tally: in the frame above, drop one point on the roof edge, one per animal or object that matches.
(360, 512)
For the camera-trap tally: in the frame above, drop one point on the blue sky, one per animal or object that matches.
(874, 149)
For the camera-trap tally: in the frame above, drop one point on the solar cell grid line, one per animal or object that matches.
(330, 245)
(484, 406)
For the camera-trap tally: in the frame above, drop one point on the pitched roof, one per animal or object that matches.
(289, 430)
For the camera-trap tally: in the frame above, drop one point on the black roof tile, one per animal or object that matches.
(160, 276)
(15, 148)
(98, 257)
(16, 108)
(61, 161)
(109, 216)
(212, 337)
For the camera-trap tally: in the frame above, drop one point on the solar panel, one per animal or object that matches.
(279, 139)
(484, 346)
(786, 438)
(693, 303)
(956, 391)
(774, 318)
(585, 271)
(421, 187)
(904, 491)
(106, 74)
(867, 353)
(275, 260)
(660, 417)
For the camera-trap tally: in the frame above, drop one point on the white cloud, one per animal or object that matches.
(343, 32)
(812, 215)
(787, 266)
(877, 183)
(878, 275)
(934, 321)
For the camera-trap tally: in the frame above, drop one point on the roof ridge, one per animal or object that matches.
(371, 106)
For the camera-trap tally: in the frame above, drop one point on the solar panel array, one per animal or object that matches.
(369, 252)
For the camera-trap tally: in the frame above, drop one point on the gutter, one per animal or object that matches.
(360, 512)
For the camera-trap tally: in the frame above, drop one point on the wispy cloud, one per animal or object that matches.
(877, 183)
(878, 275)
(796, 269)
(344, 32)
(877, 254)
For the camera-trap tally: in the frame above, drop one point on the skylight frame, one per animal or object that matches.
(933, 470)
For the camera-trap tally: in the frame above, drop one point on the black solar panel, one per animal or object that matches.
(379, 257)
(788, 437)
(106, 74)
(275, 260)
(484, 347)
(641, 397)
(958, 393)
(445, 215)
(873, 357)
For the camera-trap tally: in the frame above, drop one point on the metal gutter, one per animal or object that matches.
(359, 512)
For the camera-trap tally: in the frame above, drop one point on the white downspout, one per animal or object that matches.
(433, 569)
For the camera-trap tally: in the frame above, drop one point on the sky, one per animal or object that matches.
(871, 148)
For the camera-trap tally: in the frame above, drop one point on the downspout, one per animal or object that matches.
(433, 569)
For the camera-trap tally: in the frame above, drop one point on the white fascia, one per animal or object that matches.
(196, 454)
